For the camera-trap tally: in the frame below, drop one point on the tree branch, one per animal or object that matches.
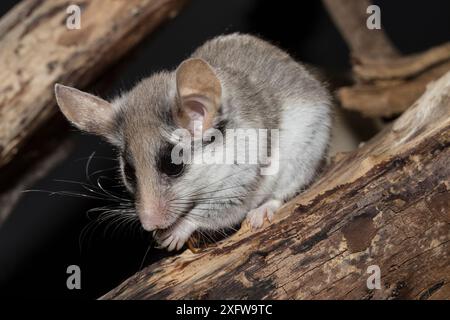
(387, 83)
(350, 18)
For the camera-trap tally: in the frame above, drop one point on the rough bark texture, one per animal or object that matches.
(37, 50)
(386, 83)
(385, 204)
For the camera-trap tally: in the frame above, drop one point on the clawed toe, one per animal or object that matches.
(256, 217)
(174, 238)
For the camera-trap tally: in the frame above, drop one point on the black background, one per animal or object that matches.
(41, 237)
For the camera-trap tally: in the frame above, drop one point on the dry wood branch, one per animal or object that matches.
(402, 67)
(386, 83)
(389, 87)
(387, 100)
(38, 50)
(385, 204)
(350, 18)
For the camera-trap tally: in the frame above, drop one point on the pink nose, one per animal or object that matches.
(152, 221)
(152, 212)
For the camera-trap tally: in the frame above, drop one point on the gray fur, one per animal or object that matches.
(262, 87)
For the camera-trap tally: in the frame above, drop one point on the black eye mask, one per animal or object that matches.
(129, 172)
(165, 164)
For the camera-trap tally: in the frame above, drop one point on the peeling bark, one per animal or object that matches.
(38, 50)
(386, 204)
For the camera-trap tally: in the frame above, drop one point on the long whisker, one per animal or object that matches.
(107, 192)
(66, 193)
(217, 181)
(86, 187)
(152, 242)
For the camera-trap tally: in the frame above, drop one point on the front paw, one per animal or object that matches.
(174, 237)
(256, 217)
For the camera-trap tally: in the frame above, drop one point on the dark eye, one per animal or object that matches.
(129, 172)
(170, 168)
(166, 165)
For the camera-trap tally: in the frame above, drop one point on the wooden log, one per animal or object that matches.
(37, 50)
(385, 204)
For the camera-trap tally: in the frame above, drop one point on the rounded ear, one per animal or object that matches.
(199, 92)
(86, 111)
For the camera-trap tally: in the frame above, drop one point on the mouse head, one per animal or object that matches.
(140, 124)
